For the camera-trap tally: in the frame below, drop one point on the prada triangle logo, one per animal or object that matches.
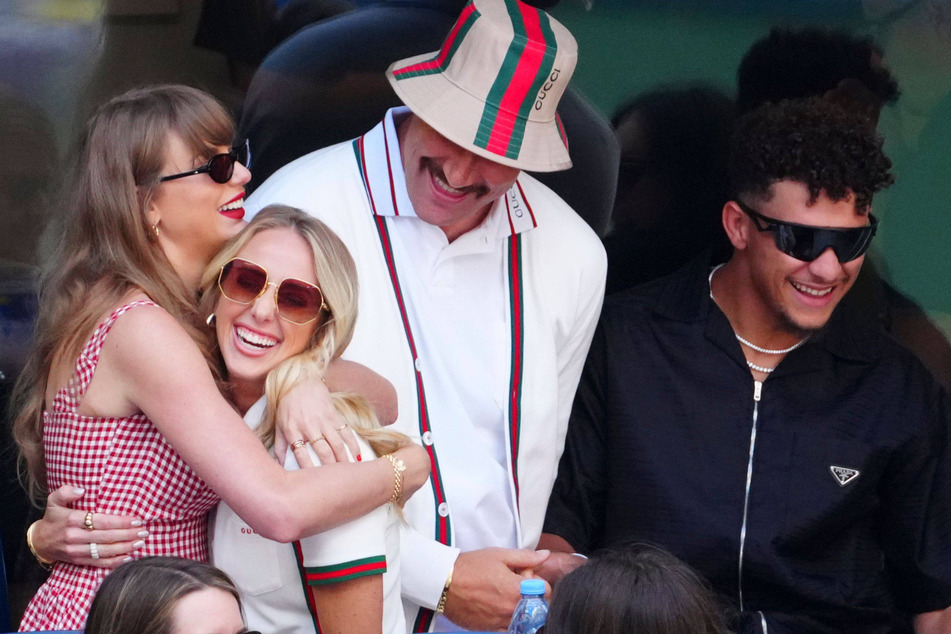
(843, 475)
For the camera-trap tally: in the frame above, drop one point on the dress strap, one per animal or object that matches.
(89, 357)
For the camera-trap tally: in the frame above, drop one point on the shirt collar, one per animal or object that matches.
(383, 165)
(848, 333)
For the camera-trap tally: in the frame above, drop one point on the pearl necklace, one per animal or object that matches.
(767, 350)
(750, 344)
(759, 368)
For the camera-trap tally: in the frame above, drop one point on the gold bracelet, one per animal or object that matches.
(45, 563)
(398, 468)
(441, 606)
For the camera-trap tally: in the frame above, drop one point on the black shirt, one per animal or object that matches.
(848, 515)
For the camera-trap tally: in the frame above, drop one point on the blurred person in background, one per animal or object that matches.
(672, 183)
(29, 174)
(28, 178)
(245, 32)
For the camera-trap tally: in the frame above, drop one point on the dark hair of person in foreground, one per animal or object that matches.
(637, 588)
(140, 596)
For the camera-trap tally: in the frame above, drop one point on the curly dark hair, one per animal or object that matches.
(812, 142)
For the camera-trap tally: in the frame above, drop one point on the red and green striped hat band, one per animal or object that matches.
(494, 86)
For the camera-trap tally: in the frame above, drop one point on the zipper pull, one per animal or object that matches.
(757, 390)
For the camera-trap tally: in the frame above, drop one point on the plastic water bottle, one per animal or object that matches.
(532, 610)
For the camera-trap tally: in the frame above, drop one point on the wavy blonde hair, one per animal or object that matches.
(108, 249)
(337, 275)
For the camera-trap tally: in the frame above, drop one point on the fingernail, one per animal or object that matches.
(127, 559)
(136, 523)
(79, 491)
(143, 533)
(543, 552)
(359, 458)
(139, 544)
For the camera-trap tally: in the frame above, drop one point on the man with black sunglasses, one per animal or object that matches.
(778, 442)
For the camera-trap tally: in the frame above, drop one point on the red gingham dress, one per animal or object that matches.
(126, 467)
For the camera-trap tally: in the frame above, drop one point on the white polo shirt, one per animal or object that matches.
(273, 577)
(484, 340)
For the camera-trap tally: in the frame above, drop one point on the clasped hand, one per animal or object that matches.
(485, 586)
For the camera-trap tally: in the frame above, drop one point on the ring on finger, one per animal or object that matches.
(87, 522)
(317, 440)
(342, 427)
(94, 550)
(297, 444)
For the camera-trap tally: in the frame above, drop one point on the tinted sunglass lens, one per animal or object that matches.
(787, 241)
(242, 281)
(221, 167)
(807, 243)
(298, 302)
(854, 246)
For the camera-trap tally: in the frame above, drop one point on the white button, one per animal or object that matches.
(419, 366)
(428, 438)
(443, 510)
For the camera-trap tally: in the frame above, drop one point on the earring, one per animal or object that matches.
(210, 319)
(155, 230)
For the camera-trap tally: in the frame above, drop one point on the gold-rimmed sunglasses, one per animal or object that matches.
(297, 301)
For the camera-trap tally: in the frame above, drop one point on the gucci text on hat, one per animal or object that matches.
(494, 86)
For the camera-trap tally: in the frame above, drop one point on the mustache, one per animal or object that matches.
(479, 189)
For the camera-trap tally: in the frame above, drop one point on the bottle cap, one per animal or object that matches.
(532, 586)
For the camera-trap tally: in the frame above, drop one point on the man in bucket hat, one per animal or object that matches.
(479, 293)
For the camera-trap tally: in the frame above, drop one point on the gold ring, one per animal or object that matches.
(87, 522)
(342, 427)
(317, 440)
(297, 444)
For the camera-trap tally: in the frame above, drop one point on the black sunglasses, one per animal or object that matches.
(806, 243)
(220, 166)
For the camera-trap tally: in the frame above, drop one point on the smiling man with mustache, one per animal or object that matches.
(479, 292)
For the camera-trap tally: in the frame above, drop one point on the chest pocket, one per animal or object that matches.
(831, 503)
(252, 561)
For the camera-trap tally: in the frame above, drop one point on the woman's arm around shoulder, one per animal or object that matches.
(166, 377)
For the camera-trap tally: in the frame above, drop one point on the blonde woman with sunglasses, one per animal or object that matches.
(118, 399)
(283, 295)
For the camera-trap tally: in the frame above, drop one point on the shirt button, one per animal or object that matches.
(428, 438)
(443, 510)
(419, 366)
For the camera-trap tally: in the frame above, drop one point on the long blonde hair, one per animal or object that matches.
(337, 276)
(108, 250)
